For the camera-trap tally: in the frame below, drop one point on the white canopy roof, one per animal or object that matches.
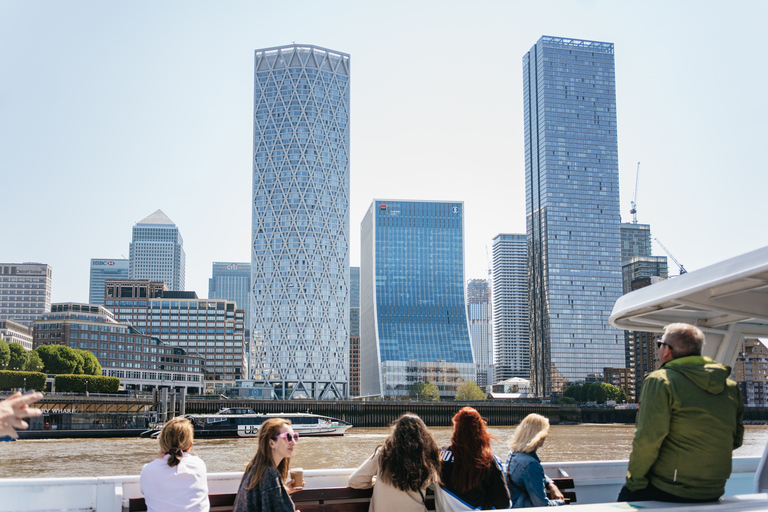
(727, 300)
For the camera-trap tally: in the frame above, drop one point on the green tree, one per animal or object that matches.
(567, 400)
(5, 354)
(468, 390)
(18, 356)
(91, 365)
(60, 359)
(424, 391)
(34, 363)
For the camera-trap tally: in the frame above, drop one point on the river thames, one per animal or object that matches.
(126, 456)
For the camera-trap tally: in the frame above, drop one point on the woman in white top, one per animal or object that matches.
(175, 481)
(402, 469)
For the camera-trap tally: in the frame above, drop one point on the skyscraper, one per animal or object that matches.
(300, 249)
(25, 291)
(232, 281)
(157, 251)
(354, 331)
(510, 307)
(572, 210)
(413, 320)
(479, 315)
(101, 270)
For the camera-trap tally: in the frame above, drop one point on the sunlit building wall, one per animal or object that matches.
(157, 251)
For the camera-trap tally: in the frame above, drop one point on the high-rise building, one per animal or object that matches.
(232, 281)
(751, 372)
(300, 236)
(510, 307)
(101, 270)
(572, 210)
(25, 291)
(413, 317)
(157, 251)
(213, 328)
(354, 331)
(479, 315)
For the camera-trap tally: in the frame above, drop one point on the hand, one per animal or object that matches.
(290, 486)
(13, 408)
(555, 491)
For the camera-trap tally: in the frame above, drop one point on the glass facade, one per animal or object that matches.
(572, 210)
(479, 315)
(25, 291)
(510, 307)
(101, 270)
(157, 252)
(413, 321)
(300, 250)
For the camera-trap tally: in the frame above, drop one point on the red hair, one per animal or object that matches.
(471, 447)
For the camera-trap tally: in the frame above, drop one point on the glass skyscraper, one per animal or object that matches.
(479, 316)
(572, 210)
(413, 320)
(300, 235)
(101, 270)
(157, 252)
(510, 307)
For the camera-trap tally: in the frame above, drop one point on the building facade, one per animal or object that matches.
(572, 210)
(232, 281)
(101, 270)
(510, 307)
(751, 372)
(413, 320)
(300, 235)
(25, 291)
(14, 332)
(480, 332)
(157, 251)
(212, 328)
(354, 331)
(140, 361)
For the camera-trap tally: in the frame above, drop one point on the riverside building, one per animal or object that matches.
(413, 316)
(157, 251)
(25, 291)
(232, 281)
(510, 307)
(354, 331)
(300, 230)
(572, 211)
(213, 328)
(479, 315)
(101, 270)
(141, 362)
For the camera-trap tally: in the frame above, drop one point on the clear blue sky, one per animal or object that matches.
(111, 110)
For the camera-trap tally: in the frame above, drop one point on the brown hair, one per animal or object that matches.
(683, 339)
(175, 438)
(471, 447)
(529, 432)
(410, 458)
(263, 458)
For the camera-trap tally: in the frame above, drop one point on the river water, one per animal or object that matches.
(126, 456)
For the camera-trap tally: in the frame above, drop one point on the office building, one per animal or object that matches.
(572, 210)
(157, 251)
(101, 270)
(480, 332)
(413, 317)
(14, 332)
(213, 328)
(354, 331)
(510, 307)
(232, 281)
(751, 372)
(300, 231)
(140, 361)
(25, 291)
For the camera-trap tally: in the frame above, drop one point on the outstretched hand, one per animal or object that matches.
(13, 409)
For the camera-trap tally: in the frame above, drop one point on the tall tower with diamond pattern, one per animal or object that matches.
(300, 235)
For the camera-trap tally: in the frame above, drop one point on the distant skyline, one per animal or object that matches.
(114, 110)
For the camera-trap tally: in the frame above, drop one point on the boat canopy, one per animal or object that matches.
(727, 300)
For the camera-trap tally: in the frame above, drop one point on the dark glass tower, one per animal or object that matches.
(572, 210)
(413, 320)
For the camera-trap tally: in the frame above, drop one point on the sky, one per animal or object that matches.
(112, 110)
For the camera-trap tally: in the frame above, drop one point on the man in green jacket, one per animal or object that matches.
(688, 424)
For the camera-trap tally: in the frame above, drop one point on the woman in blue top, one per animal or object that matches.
(525, 477)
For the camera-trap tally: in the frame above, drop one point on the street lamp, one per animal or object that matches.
(25, 384)
(86, 388)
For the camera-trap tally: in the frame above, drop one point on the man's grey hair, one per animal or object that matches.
(684, 339)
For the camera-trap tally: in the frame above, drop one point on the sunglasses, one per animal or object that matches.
(290, 438)
(660, 343)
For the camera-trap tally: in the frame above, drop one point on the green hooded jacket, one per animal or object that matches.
(689, 422)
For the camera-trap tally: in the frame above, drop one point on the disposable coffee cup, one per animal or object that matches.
(297, 474)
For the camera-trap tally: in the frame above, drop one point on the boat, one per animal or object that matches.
(243, 422)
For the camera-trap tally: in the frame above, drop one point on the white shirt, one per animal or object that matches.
(181, 488)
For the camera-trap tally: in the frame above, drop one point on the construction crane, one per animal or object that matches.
(682, 269)
(633, 209)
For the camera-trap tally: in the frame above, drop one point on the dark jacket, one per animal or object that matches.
(268, 496)
(492, 492)
(687, 426)
(526, 481)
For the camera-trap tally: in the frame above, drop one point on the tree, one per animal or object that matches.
(34, 363)
(5, 354)
(424, 391)
(91, 365)
(18, 356)
(468, 390)
(61, 359)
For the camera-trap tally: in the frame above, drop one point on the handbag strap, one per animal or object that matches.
(423, 500)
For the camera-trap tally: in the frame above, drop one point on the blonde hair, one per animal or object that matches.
(531, 430)
(175, 438)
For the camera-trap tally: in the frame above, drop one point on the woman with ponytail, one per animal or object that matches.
(175, 480)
